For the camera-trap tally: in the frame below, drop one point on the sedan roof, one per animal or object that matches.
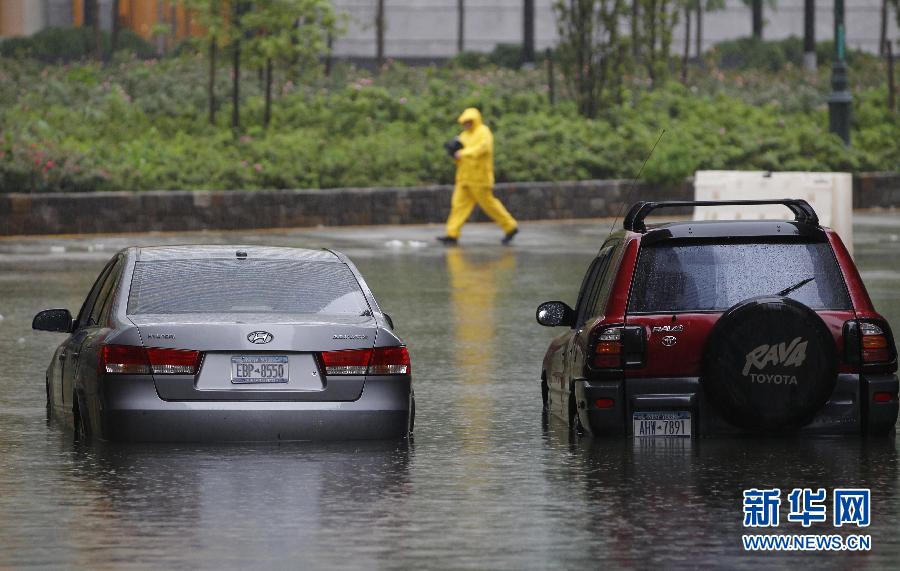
(207, 252)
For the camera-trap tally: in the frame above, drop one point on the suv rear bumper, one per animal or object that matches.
(850, 410)
(132, 411)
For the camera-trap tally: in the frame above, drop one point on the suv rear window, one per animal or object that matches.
(244, 286)
(713, 277)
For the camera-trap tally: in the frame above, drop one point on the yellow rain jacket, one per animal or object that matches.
(475, 166)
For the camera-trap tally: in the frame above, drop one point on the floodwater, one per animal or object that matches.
(483, 485)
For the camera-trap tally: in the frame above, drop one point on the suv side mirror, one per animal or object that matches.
(554, 314)
(56, 320)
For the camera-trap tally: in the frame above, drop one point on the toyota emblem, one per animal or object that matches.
(669, 340)
(260, 337)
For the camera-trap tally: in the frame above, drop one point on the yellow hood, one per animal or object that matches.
(470, 114)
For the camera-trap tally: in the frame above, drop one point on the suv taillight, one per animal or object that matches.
(875, 343)
(378, 361)
(130, 360)
(608, 349)
(618, 346)
(869, 344)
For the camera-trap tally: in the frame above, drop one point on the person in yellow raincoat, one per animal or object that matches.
(475, 180)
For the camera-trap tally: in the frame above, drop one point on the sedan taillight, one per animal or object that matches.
(130, 360)
(378, 361)
(389, 361)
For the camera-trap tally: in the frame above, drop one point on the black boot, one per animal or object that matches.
(509, 236)
(447, 240)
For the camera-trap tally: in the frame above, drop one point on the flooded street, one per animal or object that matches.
(483, 485)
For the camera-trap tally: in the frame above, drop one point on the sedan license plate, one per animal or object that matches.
(247, 369)
(662, 423)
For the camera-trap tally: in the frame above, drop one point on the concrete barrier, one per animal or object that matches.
(149, 211)
(829, 193)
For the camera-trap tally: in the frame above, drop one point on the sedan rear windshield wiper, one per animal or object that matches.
(796, 286)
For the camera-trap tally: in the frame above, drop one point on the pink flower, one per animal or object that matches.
(403, 101)
(258, 167)
(49, 165)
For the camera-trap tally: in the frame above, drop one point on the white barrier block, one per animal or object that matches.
(829, 193)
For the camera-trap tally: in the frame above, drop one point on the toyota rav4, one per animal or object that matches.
(721, 327)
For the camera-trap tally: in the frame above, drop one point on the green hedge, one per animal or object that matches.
(59, 45)
(775, 55)
(143, 125)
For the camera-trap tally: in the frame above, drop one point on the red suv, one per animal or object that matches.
(721, 327)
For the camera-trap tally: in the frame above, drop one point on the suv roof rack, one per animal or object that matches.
(634, 220)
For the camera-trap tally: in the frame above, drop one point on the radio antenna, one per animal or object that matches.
(634, 183)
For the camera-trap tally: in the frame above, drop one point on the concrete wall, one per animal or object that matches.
(58, 13)
(427, 28)
(101, 212)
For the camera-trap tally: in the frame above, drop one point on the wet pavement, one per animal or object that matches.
(483, 485)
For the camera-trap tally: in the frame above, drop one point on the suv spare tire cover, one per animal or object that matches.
(770, 364)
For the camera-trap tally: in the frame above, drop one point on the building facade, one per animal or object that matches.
(428, 29)
(25, 17)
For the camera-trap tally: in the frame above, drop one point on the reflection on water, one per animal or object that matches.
(484, 486)
(474, 284)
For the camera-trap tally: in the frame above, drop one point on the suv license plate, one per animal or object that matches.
(662, 423)
(249, 369)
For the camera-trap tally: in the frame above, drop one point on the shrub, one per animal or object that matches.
(775, 55)
(55, 45)
(141, 125)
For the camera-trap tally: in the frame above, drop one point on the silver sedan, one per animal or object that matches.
(211, 343)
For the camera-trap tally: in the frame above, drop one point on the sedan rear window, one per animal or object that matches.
(713, 277)
(245, 286)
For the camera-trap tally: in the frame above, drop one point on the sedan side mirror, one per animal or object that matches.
(388, 319)
(554, 314)
(56, 320)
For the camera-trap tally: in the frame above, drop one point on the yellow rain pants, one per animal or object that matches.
(465, 197)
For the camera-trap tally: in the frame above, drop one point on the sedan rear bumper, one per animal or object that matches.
(132, 411)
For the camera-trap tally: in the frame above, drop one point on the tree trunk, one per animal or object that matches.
(892, 88)
(528, 31)
(379, 34)
(650, 56)
(882, 38)
(329, 52)
(236, 86)
(211, 88)
(699, 47)
(114, 32)
(460, 26)
(636, 28)
(809, 35)
(236, 67)
(758, 19)
(92, 19)
(268, 114)
(551, 78)
(687, 42)
(173, 16)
